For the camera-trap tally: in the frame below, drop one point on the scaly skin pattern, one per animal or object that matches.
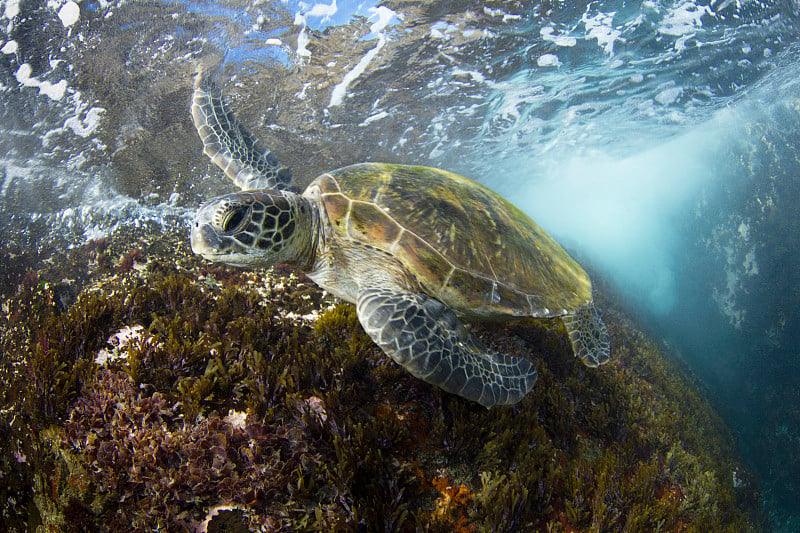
(467, 245)
(425, 337)
(230, 146)
(414, 248)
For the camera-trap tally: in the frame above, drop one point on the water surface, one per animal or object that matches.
(657, 140)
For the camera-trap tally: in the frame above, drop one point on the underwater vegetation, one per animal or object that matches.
(174, 395)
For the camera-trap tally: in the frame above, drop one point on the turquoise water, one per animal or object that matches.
(657, 140)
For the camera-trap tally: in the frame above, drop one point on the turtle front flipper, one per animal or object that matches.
(589, 336)
(425, 337)
(230, 146)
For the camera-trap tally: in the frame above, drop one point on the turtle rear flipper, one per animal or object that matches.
(589, 336)
(426, 338)
(230, 146)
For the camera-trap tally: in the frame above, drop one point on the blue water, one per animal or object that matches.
(657, 140)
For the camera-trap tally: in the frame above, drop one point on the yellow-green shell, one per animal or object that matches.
(464, 244)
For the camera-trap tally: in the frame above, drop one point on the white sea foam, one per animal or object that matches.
(12, 9)
(10, 172)
(302, 37)
(302, 94)
(684, 19)
(324, 11)
(500, 13)
(726, 299)
(560, 40)
(340, 90)
(69, 13)
(384, 16)
(442, 30)
(669, 96)
(88, 124)
(601, 28)
(548, 60)
(10, 47)
(474, 74)
(512, 96)
(744, 230)
(54, 91)
(320, 11)
(372, 118)
(750, 265)
(83, 122)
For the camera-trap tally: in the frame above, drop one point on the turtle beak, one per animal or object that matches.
(205, 240)
(204, 236)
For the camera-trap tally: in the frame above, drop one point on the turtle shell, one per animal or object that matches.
(465, 244)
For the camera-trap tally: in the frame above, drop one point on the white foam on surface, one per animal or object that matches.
(54, 91)
(10, 172)
(10, 47)
(507, 17)
(302, 94)
(559, 40)
(511, 97)
(684, 19)
(324, 11)
(744, 230)
(83, 121)
(548, 60)
(87, 125)
(340, 90)
(474, 74)
(601, 27)
(384, 16)
(669, 96)
(12, 9)
(69, 14)
(372, 118)
(302, 37)
(750, 264)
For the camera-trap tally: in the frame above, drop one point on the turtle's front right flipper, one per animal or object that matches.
(230, 146)
(425, 337)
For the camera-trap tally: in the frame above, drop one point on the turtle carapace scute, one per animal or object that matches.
(417, 249)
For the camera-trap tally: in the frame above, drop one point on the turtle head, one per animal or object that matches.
(255, 228)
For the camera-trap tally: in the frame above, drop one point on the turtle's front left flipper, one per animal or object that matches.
(230, 146)
(425, 337)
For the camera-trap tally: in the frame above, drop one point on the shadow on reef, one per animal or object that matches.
(175, 395)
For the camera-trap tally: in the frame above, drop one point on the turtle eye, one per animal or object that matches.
(233, 219)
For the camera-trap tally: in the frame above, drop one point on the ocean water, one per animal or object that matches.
(657, 140)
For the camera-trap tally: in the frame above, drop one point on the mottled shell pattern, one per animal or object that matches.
(466, 245)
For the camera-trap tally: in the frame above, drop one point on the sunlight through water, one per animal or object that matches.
(657, 140)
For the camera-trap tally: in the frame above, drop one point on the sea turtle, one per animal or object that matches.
(417, 249)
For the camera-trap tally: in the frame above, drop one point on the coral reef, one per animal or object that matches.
(169, 394)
